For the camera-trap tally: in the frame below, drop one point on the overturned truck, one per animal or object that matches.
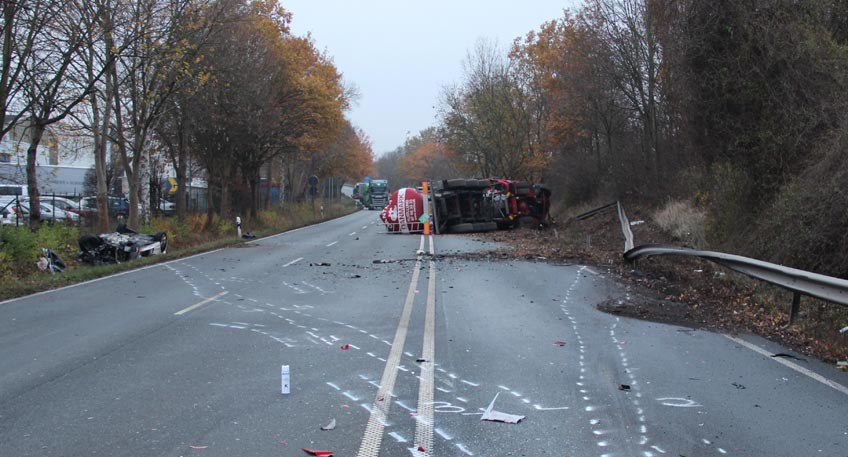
(470, 205)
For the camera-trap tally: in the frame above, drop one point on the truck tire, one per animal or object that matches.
(485, 226)
(461, 228)
(455, 183)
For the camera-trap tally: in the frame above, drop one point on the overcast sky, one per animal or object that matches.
(400, 53)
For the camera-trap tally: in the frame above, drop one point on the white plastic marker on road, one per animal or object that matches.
(424, 424)
(198, 305)
(373, 437)
(799, 369)
(293, 262)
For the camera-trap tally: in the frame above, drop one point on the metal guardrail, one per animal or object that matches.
(625, 228)
(625, 223)
(800, 282)
(595, 211)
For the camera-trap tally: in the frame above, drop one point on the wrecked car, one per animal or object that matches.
(120, 246)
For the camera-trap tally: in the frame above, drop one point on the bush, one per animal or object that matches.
(683, 221)
(61, 238)
(19, 246)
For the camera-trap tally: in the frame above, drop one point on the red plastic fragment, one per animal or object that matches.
(421, 449)
(381, 398)
(345, 347)
(559, 343)
(318, 453)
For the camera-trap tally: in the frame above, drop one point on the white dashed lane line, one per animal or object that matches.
(293, 262)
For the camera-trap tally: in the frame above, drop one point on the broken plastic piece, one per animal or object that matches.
(420, 360)
(624, 387)
(496, 416)
(318, 453)
(559, 343)
(330, 426)
(198, 447)
(381, 398)
(843, 330)
(421, 449)
(344, 347)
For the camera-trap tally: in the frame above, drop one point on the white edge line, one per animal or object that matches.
(798, 368)
(44, 292)
(147, 267)
(198, 305)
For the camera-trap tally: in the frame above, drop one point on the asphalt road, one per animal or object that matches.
(404, 351)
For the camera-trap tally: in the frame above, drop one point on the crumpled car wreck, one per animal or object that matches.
(120, 246)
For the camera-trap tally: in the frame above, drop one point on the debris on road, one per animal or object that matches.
(198, 447)
(559, 343)
(420, 360)
(344, 347)
(843, 330)
(320, 264)
(318, 453)
(496, 416)
(625, 387)
(842, 365)
(788, 356)
(330, 426)
(738, 386)
(248, 236)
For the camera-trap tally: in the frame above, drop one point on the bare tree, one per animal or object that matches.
(52, 91)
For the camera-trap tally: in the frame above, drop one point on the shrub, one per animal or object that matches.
(683, 221)
(20, 247)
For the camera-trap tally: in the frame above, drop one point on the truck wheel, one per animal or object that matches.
(485, 226)
(455, 183)
(461, 228)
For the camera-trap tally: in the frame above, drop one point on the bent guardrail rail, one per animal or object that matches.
(800, 282)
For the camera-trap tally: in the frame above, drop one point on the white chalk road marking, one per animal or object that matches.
(198, 305)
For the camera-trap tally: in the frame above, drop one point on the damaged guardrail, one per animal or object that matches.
(625, 223)
(800, 282)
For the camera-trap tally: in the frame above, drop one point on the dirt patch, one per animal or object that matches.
(685, 291)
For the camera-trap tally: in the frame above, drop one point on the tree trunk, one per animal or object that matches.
(32, 177)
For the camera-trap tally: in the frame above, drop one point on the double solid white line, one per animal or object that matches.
(374, 430)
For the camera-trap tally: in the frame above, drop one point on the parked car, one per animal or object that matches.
(49, 212)
(117, 206)
(7, 217)
(62, 203)
(167, 207)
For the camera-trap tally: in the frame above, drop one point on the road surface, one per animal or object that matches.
(404, 351)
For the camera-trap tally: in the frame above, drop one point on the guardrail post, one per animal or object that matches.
(796, 306)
